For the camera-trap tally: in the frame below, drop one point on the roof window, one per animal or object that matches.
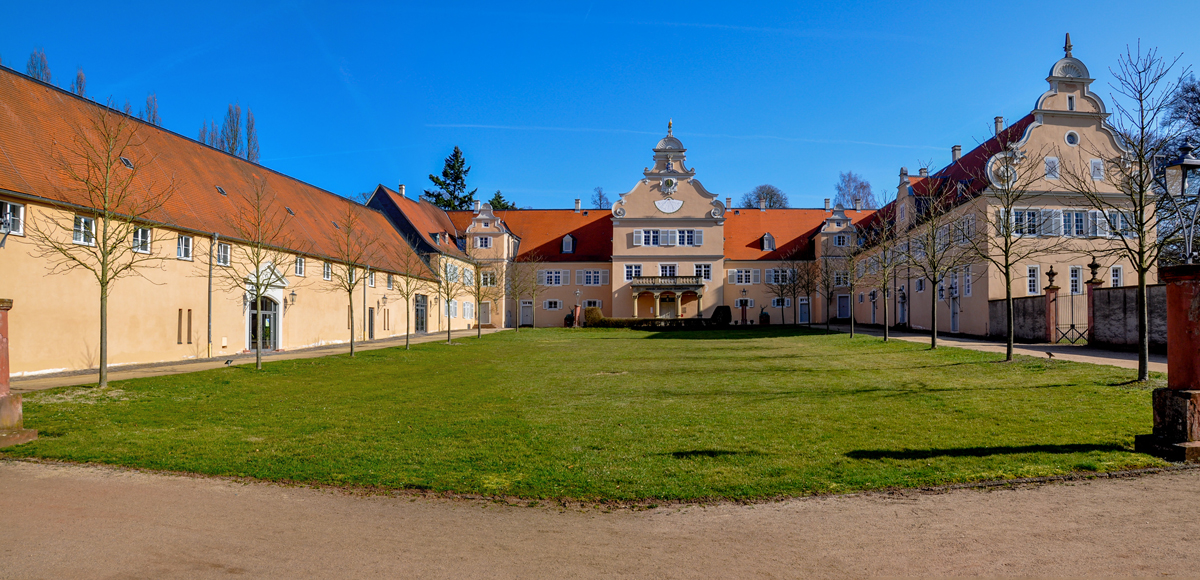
(126, 162)
(335, 226)
(568, 244)
(768, 243)
(221, 190)
(289, 210)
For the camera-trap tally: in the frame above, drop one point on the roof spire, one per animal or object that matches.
(669, 122)
(1067, 46)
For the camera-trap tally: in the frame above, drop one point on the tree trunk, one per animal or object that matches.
(1010, 336)
(1143, 329)
(351, 301)
(103, 336)
(885, 318)
(828, 318)
(258, 334)
(852, 313)
(933, 302)
(449, 321)
(407, 324)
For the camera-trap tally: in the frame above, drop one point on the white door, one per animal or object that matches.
(843, 306)
(485, 313)
(526, 313)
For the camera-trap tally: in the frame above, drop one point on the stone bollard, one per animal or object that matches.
(12, 431)
(1176, 435)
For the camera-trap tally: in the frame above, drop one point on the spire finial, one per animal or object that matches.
(669, 123)
(1067, 46)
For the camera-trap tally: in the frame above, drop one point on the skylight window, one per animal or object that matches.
(126, 162)
(289, 210)
(221, 190)
(335, 226)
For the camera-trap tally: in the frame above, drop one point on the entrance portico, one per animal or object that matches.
(668, 290)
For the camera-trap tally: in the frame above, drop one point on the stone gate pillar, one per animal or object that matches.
(1176, 435)
(1092, 284)
(1051, 308)
(12, 431)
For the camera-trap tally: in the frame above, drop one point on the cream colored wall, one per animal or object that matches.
(54, 323)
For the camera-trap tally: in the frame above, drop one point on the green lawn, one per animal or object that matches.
(615, 414)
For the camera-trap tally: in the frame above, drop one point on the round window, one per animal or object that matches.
(1072, 138)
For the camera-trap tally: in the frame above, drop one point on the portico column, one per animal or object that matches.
(636, 295)
(699, 305)
(657, 306)
(12, 431)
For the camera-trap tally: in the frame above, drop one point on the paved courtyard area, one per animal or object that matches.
(67, 521)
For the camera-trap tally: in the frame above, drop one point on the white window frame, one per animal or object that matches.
(739, 302)
(662, 269)
(704, 271)
(487, 279)
(468, 310)
(781, 302)
(14, 215)
(568, 244)
(1067, 139)
(142, 238)
(84, 231)
(742, 277)
(300, 266)
(920, 284)
(371, 279)
(1033, 280)
(552, 304)
(593, 303)
(768, 242)
(223, 252)
(1075, 223)
(841, 240)
(391, 284)
(966, 280)
(1070, 102)
(1075, 279)
(1027, 222)
(183, 248)
(841, 278)
(1117, 276)
(327, 271)
(632, 271)
(483, 242)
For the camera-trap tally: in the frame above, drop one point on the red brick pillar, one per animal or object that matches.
(1051, 307)
(1092, 284)
(1176, 434)
(12, 431)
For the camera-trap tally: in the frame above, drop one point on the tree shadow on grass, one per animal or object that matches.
(697, 453)
(1063, 449)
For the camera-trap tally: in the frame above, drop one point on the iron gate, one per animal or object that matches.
(1072, 318)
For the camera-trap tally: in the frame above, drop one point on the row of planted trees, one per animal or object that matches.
(119, 205)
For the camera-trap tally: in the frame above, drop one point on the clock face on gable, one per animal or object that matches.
(668, 186)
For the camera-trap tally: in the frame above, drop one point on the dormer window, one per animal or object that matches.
(841, 240)
(1070, 102)
(568, 244)
(487, 224)
(768, 243)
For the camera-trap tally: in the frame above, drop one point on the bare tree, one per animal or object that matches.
(774, 197)
(883, 238)
(231, 131)
(1011, 229)
(249, 263)
(1141, 110)
(600, 199)
(252, 154)
(853, 259)
(483, 279)
(108, 232)
(521, 280)
(410, 282)
(128, 109)
(355, 248)
(79, 85)
(931, 251)
(1185, 107)
(37, 67)
(150, 113)
(794, 278)
(450, 284)
(851, 187)
(829, 275)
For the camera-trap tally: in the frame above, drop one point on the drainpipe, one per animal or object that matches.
(366, 277)
(215, 237)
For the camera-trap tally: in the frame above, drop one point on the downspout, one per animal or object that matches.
(215, 237)
(364, 308)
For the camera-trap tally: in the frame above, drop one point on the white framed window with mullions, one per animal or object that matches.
(703, 271)
(141, 240)
(84, 231)
(223, 250)
(300, 266)
(12, 218)
(183, 248)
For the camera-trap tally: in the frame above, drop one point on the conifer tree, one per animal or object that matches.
(451, 192)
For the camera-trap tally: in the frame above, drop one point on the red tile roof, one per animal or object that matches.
(792, 229)
(542, 230)
(971, 168)
(38, 121)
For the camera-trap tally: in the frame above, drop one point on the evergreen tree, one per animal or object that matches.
(452, 191)
(498, 202)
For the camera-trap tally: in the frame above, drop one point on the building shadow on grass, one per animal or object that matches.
(1064, 449)
(739, 332)
(698, 453)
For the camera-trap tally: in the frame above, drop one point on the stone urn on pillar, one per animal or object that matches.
(12, 428)
(1176, 435)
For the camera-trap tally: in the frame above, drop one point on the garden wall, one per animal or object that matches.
(1114, 318)
(1029, 318)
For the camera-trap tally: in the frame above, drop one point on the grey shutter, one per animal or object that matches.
(1054, 223)
(637, 237)
(732, 274)
(541, 277)
(756, 276)
(604, 277)
(699, 237)
(579, 277)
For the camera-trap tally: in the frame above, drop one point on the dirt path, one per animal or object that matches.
(69, 521)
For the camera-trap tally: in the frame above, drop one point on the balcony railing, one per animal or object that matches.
(667, 281)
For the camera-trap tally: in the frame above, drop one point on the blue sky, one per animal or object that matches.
(551, 100)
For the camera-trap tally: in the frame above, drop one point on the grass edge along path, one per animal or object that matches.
(622, 415)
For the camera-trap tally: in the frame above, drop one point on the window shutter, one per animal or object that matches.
(732, 276)
(666, 237)
(1055, 225)
(1114, 223)
(541, 277)
(599, 304)
(770, 276)
(579, 277)
(751, 304)
(699, 237)
(756, 276)
(787, 302)
(545, 305)
(1102, 228)
(637, 237)
(604, 277)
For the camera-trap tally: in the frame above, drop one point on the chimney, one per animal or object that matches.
(827, 204)
(857, 204)
(477, 204)
(762, 204)
(955, 152)
(999, 124)
(729, 203)
(577, 205)
(924, 172)
(401, 190)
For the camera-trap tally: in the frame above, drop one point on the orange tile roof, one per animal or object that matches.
(792, 229)
(427, 219)
(37, 121)
(541, 232)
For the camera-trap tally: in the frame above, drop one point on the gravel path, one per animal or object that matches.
(72, 521)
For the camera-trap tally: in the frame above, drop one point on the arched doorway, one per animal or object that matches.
(268, 309)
